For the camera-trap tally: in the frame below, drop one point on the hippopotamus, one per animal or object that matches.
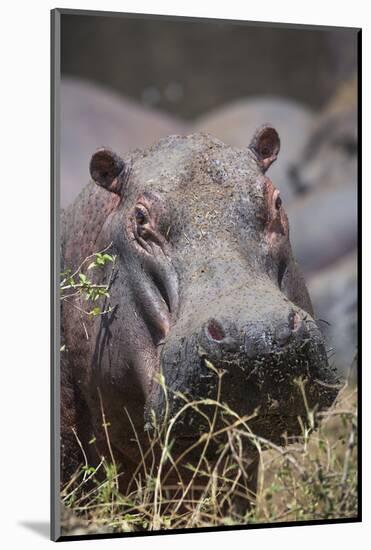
(204, 283)
(334, 295)
(329, 154)
(88, 110)
(334, 235)
(324, 179)
(235, 122)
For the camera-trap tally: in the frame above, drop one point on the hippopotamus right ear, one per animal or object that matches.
(108, 170)
(265, 145)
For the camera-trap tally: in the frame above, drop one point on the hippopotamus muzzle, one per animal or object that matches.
(259, 367)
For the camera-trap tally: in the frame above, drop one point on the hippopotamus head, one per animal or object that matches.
(204, 276)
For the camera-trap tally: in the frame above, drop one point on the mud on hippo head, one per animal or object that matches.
(205, 274)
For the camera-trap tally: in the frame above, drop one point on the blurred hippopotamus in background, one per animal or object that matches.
(325, 179)
(334, 295)
(93, 116)
(329, 156)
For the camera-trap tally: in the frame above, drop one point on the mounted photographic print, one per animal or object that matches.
(205, 290)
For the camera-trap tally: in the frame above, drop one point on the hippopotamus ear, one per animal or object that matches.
(265, 145)
(108, 170)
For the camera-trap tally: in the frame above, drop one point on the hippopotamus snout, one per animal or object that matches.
(260, 355)
(263, 358)
(224, 336)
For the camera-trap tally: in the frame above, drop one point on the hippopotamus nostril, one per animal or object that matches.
(214, 330)
(220, 339)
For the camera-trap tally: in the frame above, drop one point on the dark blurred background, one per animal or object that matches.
(129, 80)
(186, 67)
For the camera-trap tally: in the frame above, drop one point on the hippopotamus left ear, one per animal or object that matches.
(108, 170)
(265, 145)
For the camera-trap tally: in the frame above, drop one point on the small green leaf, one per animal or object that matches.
(107, 257)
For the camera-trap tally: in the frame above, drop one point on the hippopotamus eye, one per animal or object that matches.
(278, 203)
(140, 216)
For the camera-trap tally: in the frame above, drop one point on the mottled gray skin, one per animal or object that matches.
(204, 270)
